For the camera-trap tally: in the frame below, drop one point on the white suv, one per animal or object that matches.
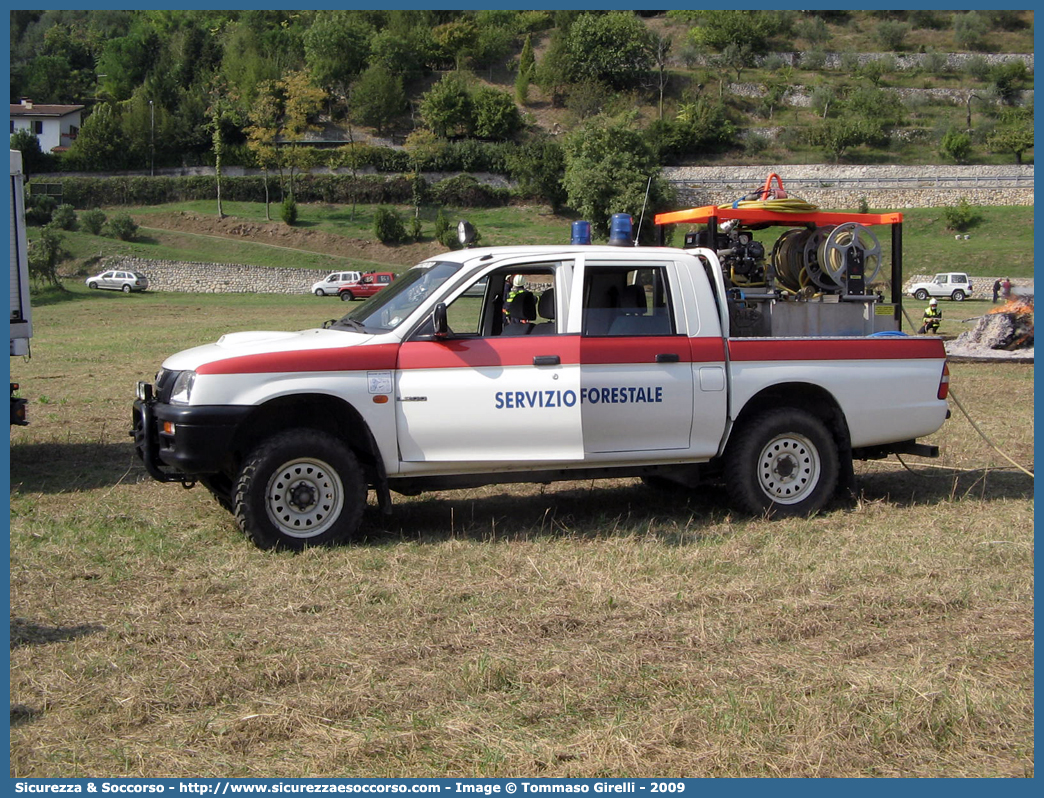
(949, 285)
(328, 285)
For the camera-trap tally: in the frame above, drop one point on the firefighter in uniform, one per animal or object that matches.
(518, 287)
(932, 318)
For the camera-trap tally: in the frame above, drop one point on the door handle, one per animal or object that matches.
(546, 360)
(668, 357)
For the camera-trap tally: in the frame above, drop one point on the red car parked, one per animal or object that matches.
(370, 284)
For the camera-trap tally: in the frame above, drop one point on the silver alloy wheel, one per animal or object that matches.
(788, 468)
(304, 497)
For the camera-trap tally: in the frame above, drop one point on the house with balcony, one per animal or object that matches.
(55, 126)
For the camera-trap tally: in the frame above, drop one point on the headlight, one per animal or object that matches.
(182, 390)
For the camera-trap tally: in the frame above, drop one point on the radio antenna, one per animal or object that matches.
(638, 229)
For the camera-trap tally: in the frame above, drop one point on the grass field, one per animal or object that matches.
(580, 629)
(998, 243)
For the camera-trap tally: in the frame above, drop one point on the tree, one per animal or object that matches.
(615, 47)
(455, 41)
(447, 107)
(969, 30)
(404, 53)
(526, 59)
(422, 145)
(526, 70)
(956, 144)
(837, 136)
(750, 29)
(496, 116)
(552, 74)
(1014, 134)
(337, 49)
(1008, 80)
(661, 51)
(44, 255)
(736, 56)
(99, 145)
(538, 167)
(221, 112)
(608, 165)
(301, 99)
(892, 33)
(261, 131)
(378, 97)
(33, 158)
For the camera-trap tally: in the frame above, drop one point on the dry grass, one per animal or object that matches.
(586, 629)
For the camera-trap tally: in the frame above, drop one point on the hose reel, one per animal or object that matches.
(825, 257)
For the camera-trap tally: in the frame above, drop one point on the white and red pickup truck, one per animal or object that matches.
(571, 362)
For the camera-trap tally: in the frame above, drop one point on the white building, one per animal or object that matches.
(56, 126)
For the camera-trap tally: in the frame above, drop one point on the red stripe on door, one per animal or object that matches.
(611, 351)
(456, 353)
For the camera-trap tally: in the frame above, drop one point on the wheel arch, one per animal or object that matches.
(321, 412)
(813, 399)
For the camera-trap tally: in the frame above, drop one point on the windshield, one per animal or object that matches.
(391, 306)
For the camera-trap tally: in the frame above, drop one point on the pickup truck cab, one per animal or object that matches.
(948, 285)
(366, 286)
(601, 361)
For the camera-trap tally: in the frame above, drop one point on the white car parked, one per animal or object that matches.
(119, 281)
(948, 285)
(328, 285)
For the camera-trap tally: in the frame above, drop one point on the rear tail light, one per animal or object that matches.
(944, 382)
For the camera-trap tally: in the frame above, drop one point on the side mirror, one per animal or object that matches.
(439, 321)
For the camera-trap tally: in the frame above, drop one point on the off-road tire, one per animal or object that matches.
(957, 296)
(346, 296)
(920, 295)
(783, 462)
(299, 488)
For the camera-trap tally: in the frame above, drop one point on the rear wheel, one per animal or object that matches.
(958, 296)
(921, 294)
(782, 463)
(126, 288)
(300, 488)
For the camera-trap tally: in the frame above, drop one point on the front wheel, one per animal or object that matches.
(782, 463)
(300, 488)
(92, 285)
(347, 296)
(958, 296)
(920, 294)
(320, 292)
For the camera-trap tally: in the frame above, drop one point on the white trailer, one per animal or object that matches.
(21, 312)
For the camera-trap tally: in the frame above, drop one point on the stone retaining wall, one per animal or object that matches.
(955, 62)
(218, 278)
(716, 185)
(982, 286)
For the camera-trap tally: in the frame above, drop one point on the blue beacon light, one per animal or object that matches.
(620, 228)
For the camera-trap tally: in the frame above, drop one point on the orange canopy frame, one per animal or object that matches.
(762, 216)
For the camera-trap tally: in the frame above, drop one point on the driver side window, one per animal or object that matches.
(514, 301)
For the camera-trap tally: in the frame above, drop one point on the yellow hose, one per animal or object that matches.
(788, 205)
